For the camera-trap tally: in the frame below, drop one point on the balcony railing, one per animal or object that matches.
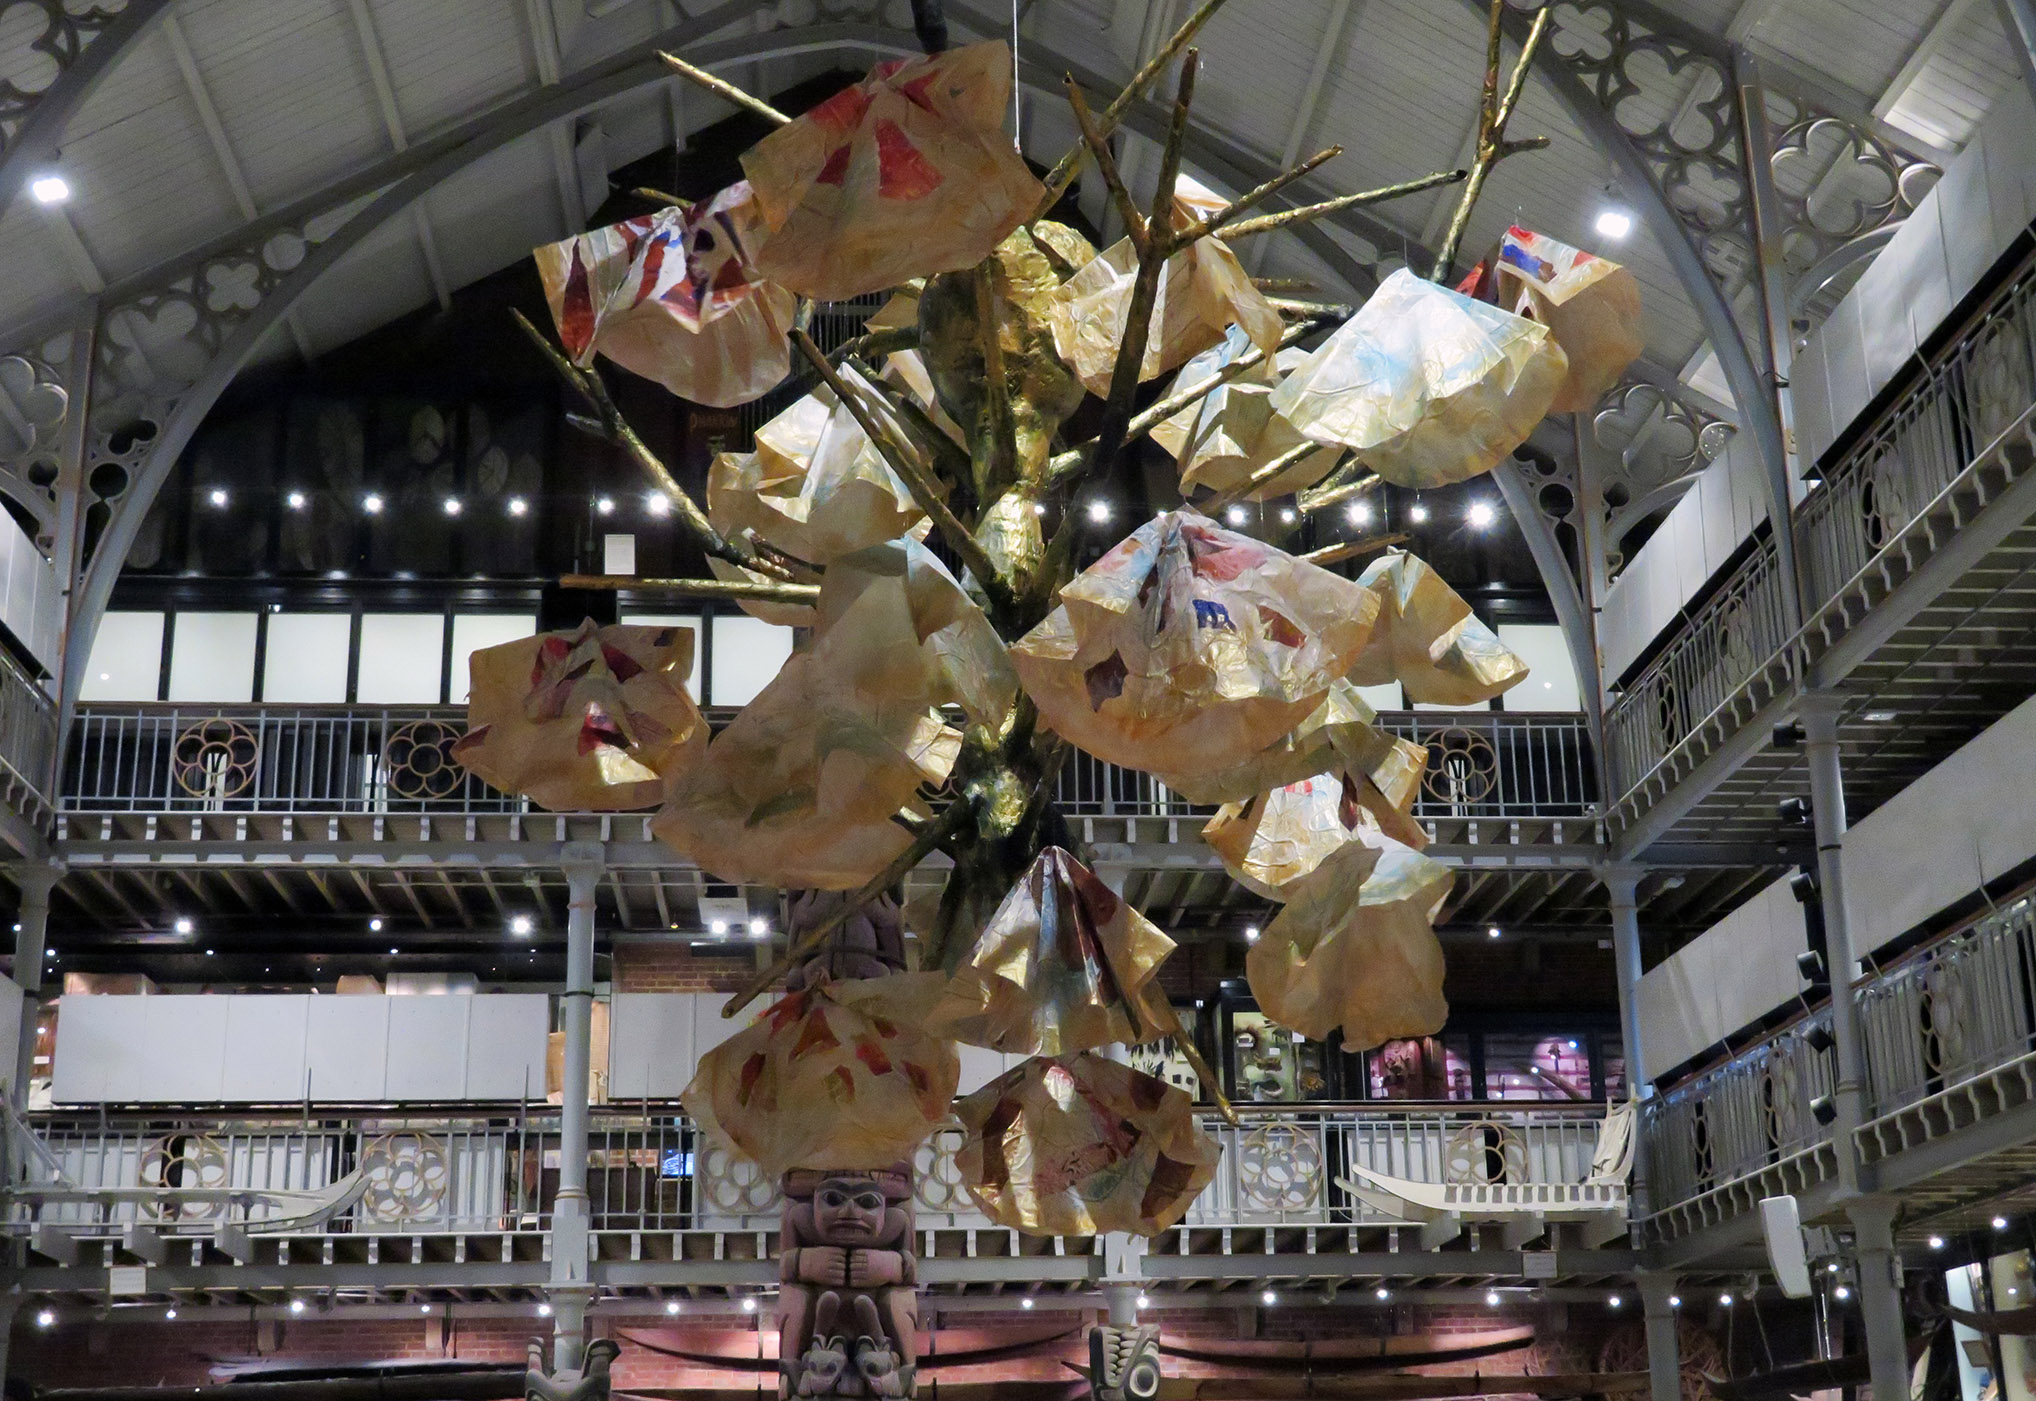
(289, 759)
(650, 1170)
(1973, 392)
(28, 743)
(1950, 1014)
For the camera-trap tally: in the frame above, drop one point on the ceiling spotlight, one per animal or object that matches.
(1841, 1293)
(1491, 1298)
(424, 1308)
(1099, 512)
(1268, 1298)
(372, 503)
(749, 1306)
(1144, 1302)
(1726, 1300)
(658, 504)
(1418, 513)
(295, 501)
(296, 1306)
(208, 953)
(671, 1306)
(544, 1310)
(1614, 1302)
(1614, 223)
(183, 924)
(2000, 1223)
(1025, 1303)
(452, 505)
(1936, 1242)
(1237, 515)
(50, 189)
(46, 1318)
(375, 925)
(718, 926)
(1675, 1301)
(521, 926)
(1494, 932)
(1359, 513)
(392, 950)
(605, 505)
(1250, 933)
(1480, 515)
(1382, 1293)
(759, 927)
(217, 496)
(1039, 508)
(169, 1313)
(1832, 1268)
(518, 506)
(1287, 516)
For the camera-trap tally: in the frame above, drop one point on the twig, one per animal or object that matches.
(721, 87)
(930, 836)
(1113, 179)
(1350, 549)
(1266, 223)
(996, 389)
(872, 346)
(1494, 111)
(1184, 1042)
(699, 588)
(1230, 213)
(616, 430)
(965, 545)
(1313, 311)
(1267, 473)
(1333, 491)
(1063, 173)
(660, 197)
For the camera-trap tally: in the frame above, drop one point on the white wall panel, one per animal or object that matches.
(100, 1049)
(654, 1041)
(1551, 682)
(1730, 976)
(473, 631)
(402, 659)
(212, 657)
(747, 654)
(506, 1040)
(346, 1048)
(127, 659)
(305, 662)
(427, 1048)
(184, 1048)
(688, 621)
(264, 1048)
(1961, 202)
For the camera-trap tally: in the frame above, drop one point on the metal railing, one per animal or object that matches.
(650, 1170)
(28, 731)
(289, 759)
(1969, 394)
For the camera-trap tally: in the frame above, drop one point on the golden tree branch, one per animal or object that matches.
(1252, 198)
(872, 346)
(1350, 549)
(1269, 472)
(660, 197)
(800, 594)
(1493, 114)
(996, 389)
(1113, 179)
(1301, 214)
(722, 88)
(1338, 488)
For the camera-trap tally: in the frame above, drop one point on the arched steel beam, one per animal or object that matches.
(1563, 594)
(36, 139)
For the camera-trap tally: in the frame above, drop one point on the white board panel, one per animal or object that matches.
(264, 1048)
(346, 1048)
(1724, 980)
(506, 1045)
(99, 1050)
(428, 1048)
(184, 1046)
(653, 1042)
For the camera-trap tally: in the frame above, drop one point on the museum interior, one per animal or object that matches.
(1067, 700)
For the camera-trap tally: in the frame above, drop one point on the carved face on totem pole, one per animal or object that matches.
(848, 1307)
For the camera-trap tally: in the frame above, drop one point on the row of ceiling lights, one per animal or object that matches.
(655, 504)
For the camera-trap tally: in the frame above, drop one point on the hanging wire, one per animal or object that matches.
(1017, 87)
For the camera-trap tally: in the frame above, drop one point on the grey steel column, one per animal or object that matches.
(571, 1284)
(30, 945)
(1664, 1355)
(1819, 713)
(1880, 1296)
(1122, 1300)
(1622, 885)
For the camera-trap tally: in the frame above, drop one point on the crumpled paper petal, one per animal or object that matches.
(816, 487)
(1356, 948)
(1232, 431)
(1589, 304)
(1276, 842)
(1064, 965)
(1342, 733)
(1203, 291)
(675, 297)
(584, 721)
(905, 174)
(800, 788)
(1425, 384)
(1080, 1145)
(1188, 645)
(948, 653)
(1428, 639)
(839, 1076)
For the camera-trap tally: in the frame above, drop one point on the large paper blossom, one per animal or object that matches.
(1342, 733)
(840, 1076)
(906, 174)
(1232, 431)
(584, 721)
(1277, 842)
(1356, 948)
(1064, 965)
(675, 297)
(1191, 647)
(1429, 641)
(799, 790)
(1428, 386)
(1590, 305)
(1080, 1145)
(816, 486)
(1203, 291)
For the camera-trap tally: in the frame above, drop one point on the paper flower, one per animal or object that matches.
(1276, 842)
(1591, 307)
(1080, 1145)
(675, 297)
(906, 174)
(1232, 432)
(584, 721)
(1425, 384)
(1342, 733)
(1429, 641)
(1191, 647)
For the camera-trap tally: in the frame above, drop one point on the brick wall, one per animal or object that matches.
(674, 967)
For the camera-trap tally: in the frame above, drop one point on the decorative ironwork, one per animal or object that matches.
(1463, 767)
(1485, 1150)
(1656, 441)
(1279, 1166)
(215, 759)
(184, 1161)
(732, 1185)
(418, 763)
(30, 435)
(936, 1172)
(408, 1173)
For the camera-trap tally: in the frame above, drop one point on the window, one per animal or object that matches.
(747, 654)
(127, 659)
(402, 659)
(1551, 682)
(1532, 1066)
(689, 621)
(212, 657)
(305, 660)
(1423, 1069)
(473, 631)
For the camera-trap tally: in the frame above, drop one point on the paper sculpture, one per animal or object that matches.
(1275, 842)
(584, 721)
(1232, 432)
(908, 173)
(1342, 733)
(1591, 307)
(1203, 291)
(1356, 948)
(1063, 965)
(799, 790)
(837, 1077)
(1079, 1145)
(1427, 639)
(1425, 384)
(935, 645)
(675, 297)
(816, 486)
(1191, 646)
(784, 615)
